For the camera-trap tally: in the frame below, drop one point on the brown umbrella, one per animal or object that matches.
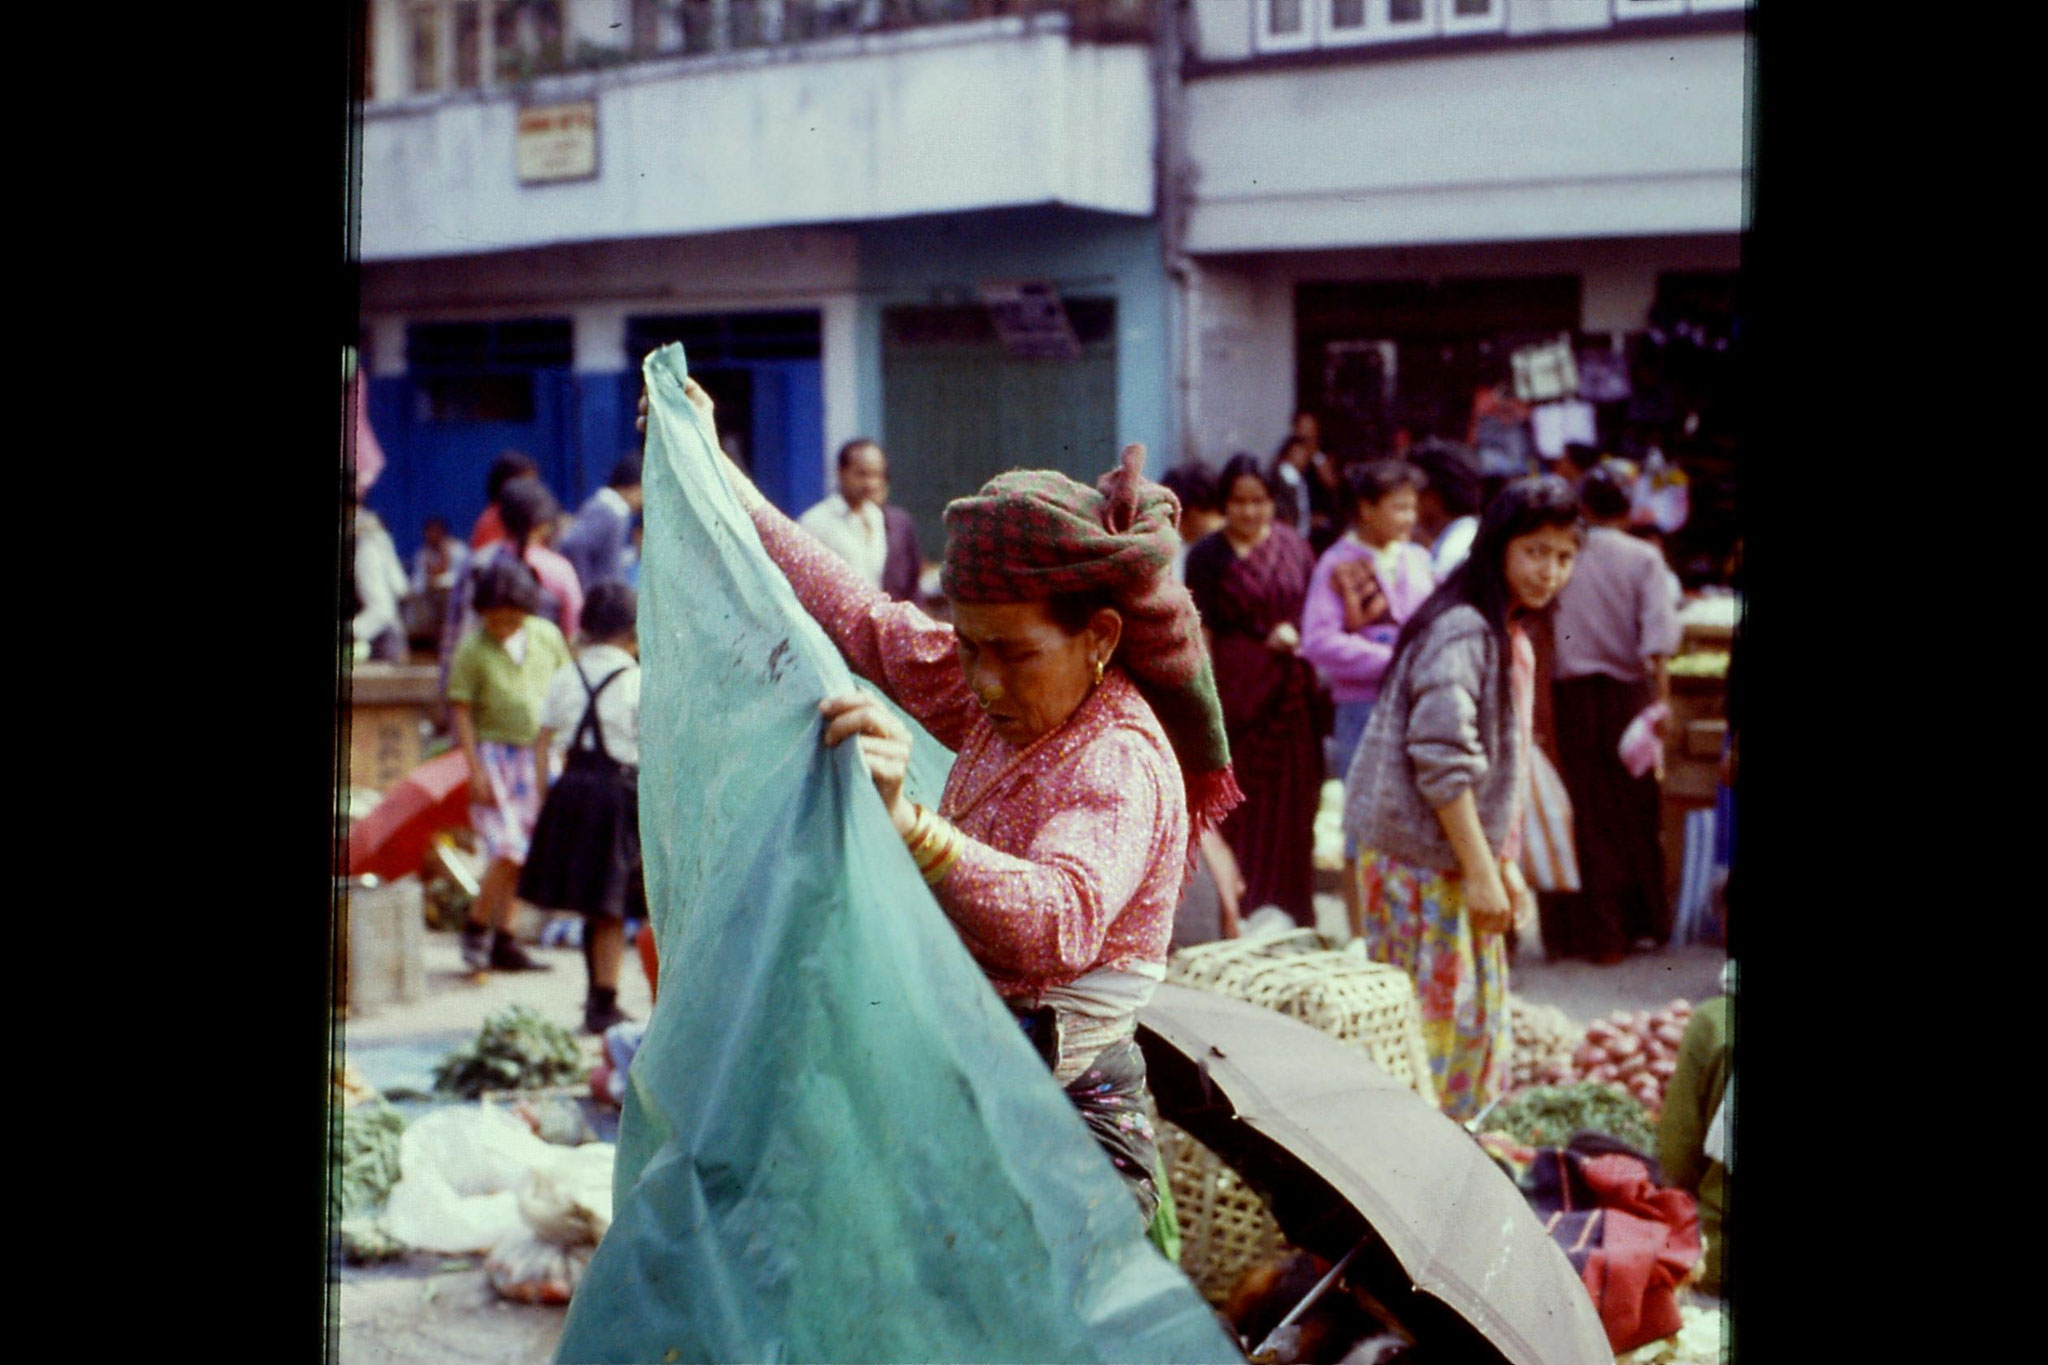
(1348, 1155)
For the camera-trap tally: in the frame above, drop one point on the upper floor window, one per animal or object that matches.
(1296, 25)
(1662, 9)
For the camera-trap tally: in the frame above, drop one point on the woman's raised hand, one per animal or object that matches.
(884, 745)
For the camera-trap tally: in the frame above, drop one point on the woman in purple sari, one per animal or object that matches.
(1249, 580)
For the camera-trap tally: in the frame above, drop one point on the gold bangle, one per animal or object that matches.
(949, 840)
(920, 830)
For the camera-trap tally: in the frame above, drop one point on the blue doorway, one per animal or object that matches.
(766, 381)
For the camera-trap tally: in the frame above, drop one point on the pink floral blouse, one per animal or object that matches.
(1076, 844)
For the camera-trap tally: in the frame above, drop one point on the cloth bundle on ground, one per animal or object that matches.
(1633, 1243)
(836, 1144)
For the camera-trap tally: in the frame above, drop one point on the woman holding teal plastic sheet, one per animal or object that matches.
(1074, 689)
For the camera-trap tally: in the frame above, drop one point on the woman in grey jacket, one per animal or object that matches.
(1435, 793)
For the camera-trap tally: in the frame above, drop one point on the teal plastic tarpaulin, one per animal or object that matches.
(837, 1144)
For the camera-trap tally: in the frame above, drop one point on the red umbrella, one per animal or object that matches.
(393, 839)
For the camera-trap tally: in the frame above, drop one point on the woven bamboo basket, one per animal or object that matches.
(1225, 1226)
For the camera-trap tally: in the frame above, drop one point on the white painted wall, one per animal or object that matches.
(1221, 30)
(1622, 138)
(939, 120)
(1244, 363)
(719, 272)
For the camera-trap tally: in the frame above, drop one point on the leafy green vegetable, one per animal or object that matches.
(520, 1049)
(1548, 1115)
(367, 1155)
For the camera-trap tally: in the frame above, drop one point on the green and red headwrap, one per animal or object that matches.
(1033, 534)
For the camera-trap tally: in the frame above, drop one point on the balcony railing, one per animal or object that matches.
(453, 45)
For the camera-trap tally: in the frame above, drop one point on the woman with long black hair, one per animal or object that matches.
(1435, 794)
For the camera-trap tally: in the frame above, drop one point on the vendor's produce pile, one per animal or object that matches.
(1548, 1115)
(1544, 1042)
(520, 1049)
(526, 1185)
(1633, 1050)
(366, 1169)
(1637, 1050)
(368, 1157)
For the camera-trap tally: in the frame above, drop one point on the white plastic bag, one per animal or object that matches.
(528, 1269)
(565, 1209)
(458, 1169)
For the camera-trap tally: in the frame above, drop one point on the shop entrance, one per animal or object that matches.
(765, 377)
(1376, 357)
(958, 409)
(471, 391)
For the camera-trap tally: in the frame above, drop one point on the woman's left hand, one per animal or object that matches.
(1519, 895)
(884, 746)
(1284, 638)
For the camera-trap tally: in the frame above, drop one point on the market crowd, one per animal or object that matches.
(1469, 658)
(1310, 578)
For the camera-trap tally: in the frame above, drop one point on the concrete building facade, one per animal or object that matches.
(1242, 207)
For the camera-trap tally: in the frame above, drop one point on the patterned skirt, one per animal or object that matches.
(506, 823)
(1112, 1099)
(1415, 920)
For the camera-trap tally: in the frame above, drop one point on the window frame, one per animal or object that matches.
(1627, 11)
(1264, 40)
(1495, 20)
(1379, 25)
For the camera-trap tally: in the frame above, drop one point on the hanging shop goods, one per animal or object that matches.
(836, 1143)
(1546, 371)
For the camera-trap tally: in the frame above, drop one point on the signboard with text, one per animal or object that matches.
(556, 142)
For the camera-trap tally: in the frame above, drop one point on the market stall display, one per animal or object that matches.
(1544, 1042)
(1635, 1051)
(520, 1049)
(1548, 1116)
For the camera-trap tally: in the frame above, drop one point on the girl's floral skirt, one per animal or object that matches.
(1414, 919)
(506, 824)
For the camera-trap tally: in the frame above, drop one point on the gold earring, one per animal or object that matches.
(1098, 672)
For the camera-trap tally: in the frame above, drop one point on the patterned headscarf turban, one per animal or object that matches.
(1033, 534)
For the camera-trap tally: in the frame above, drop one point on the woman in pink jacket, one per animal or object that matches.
(1363, 588)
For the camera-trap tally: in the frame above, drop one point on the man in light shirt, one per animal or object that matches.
(595, 544)
(879, 541)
